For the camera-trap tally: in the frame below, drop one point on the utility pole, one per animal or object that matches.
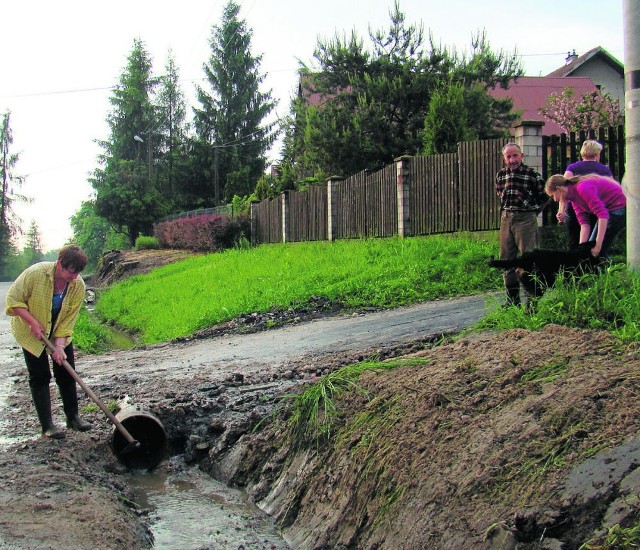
(631, 179)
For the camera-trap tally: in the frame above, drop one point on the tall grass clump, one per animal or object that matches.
(182, 298)
(314, 411)
(607, 300)
(147, 243)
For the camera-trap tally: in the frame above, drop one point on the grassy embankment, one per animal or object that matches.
(182, 298)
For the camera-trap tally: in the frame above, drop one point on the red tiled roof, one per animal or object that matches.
(530, 93)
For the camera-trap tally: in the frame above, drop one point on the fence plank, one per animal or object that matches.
(479, 162)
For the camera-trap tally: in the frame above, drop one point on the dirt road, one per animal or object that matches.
(345, 334)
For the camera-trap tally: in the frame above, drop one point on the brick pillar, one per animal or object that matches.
(528, 135)
(402, 191)
(332, 210)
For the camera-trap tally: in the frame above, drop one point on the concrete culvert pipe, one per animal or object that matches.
(148, 431)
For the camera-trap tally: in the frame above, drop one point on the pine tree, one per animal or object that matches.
(364, 107)
(11, 182)
(232, 135)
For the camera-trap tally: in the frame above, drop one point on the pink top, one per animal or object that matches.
(595, 195)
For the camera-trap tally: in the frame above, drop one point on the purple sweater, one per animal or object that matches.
(585, 167)
(597, 196)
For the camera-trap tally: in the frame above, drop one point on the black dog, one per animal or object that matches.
(538, 270)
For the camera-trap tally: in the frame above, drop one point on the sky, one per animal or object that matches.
(61, 59)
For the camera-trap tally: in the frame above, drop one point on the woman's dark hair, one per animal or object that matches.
(72, 257)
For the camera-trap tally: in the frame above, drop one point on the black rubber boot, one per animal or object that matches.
(513, 296)
(70, 404)
(42, 402)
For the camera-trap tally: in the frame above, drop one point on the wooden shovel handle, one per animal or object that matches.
(90, 393)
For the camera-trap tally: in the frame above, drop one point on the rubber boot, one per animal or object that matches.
(513, 296)
(70, 404)
(42, 402)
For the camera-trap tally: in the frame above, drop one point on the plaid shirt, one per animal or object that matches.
(33, 290)
(520, 189)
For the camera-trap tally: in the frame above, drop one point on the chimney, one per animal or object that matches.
(571, 57)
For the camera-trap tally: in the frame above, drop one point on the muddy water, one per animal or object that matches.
(8, 353)
(188, 509)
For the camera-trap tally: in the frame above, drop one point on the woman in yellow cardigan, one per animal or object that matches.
(45, 299)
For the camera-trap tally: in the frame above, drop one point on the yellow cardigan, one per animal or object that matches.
(33, 290)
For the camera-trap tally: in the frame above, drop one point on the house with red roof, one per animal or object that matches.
(530, 93)
(594, 70)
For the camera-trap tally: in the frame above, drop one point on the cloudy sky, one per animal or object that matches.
(60, 60)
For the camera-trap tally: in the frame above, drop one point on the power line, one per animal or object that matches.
(59, 92)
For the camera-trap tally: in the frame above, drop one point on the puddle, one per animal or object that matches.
(8, 354)
(5, 390)
(189, 510)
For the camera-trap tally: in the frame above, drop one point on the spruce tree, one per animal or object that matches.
(171, 134)
(233, 135)
(11, 182)
(127, 189)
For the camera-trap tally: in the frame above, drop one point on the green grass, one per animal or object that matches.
(182, 298)
(608, 301)
(616, 538)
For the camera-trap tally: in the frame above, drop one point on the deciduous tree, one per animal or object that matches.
(575, 113)
(94, 234)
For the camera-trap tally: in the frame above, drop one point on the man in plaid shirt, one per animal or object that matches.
(522, 197)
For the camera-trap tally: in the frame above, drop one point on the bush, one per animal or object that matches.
(147, 243)
(206, 233)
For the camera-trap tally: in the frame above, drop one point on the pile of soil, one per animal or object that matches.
(117, 265)
(513, 440)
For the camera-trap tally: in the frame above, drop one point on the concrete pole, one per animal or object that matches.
(631, 179)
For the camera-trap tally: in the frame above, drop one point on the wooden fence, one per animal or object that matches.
(414, 196)
(560, 151)
(418, 195)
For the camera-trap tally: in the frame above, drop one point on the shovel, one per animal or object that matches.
(133, 443)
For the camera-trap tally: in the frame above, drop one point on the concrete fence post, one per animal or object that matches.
(254, 222)
(402, 193)
(284, 201)
(332, 207)
(528, 135)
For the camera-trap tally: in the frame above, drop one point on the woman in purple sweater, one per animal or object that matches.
(596, 195)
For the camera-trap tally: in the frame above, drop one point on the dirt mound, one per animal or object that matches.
(116, 265)
(514, 440)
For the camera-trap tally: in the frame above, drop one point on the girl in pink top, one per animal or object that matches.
(592, 194)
